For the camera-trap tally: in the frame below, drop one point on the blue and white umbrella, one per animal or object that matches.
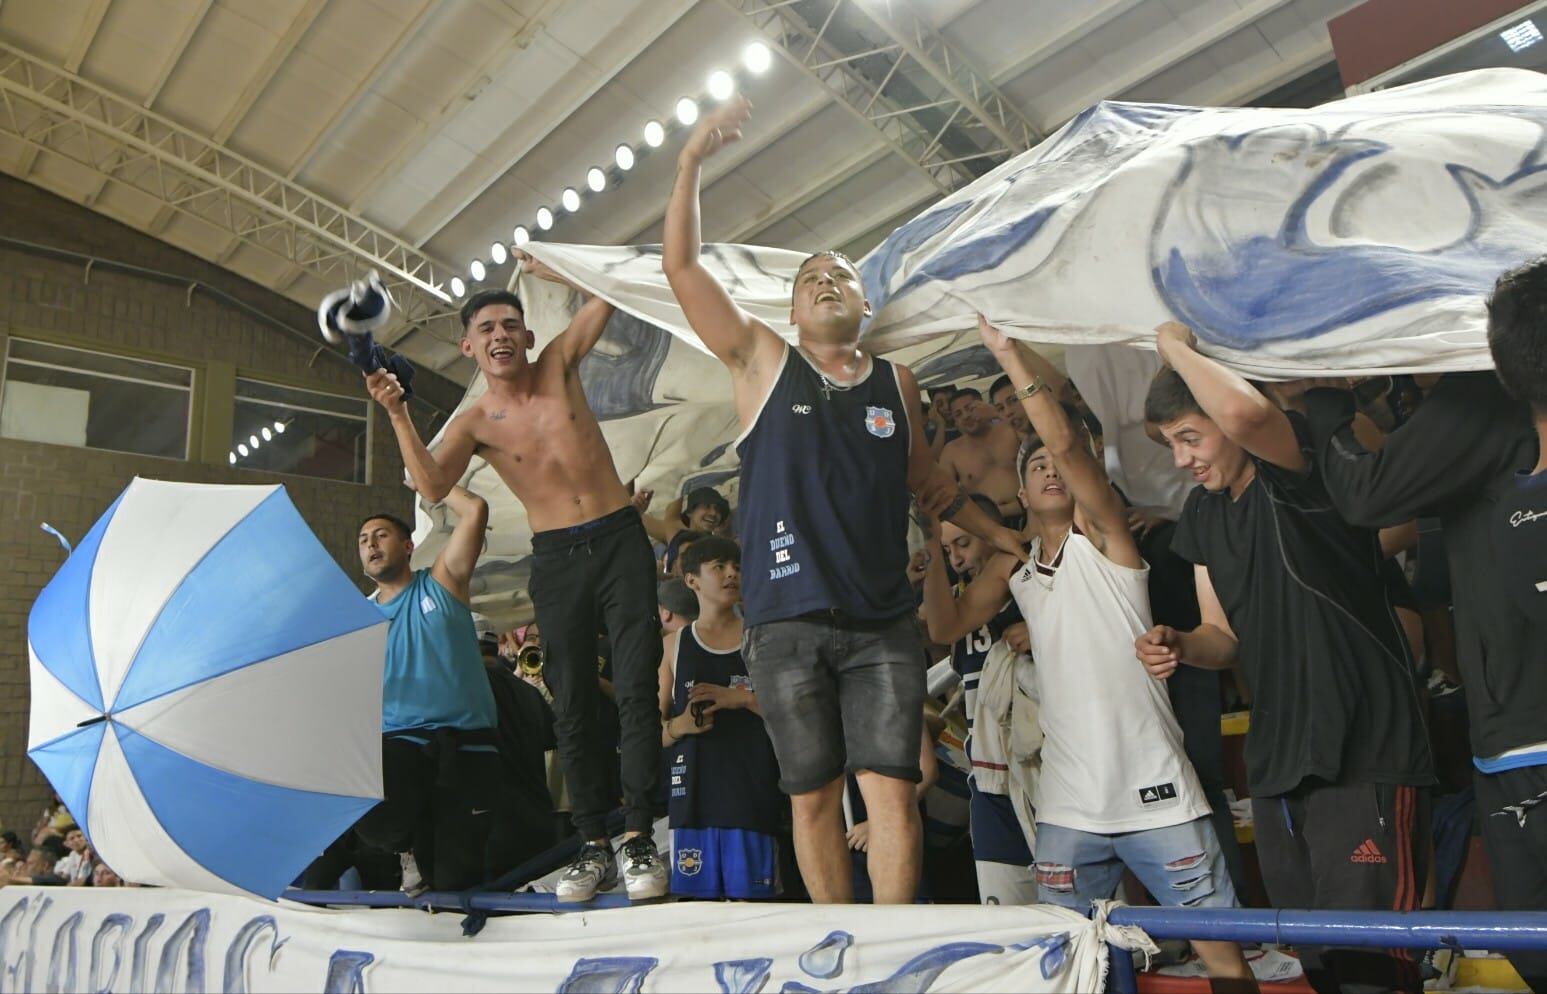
(206, 688)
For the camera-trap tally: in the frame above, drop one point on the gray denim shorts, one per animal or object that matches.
(839, 695)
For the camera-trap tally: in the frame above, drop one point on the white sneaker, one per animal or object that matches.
(413, 880)
(644, 874)
(593, 870)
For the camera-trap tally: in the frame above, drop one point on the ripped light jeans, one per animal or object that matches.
(1180, 865)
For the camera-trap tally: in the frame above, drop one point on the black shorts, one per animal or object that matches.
(839, 695)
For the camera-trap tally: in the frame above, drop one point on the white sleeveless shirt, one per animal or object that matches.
(1112, 758)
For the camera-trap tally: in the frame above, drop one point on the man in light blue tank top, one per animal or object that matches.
(440, 759)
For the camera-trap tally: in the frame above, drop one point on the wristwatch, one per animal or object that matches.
(1030, 388)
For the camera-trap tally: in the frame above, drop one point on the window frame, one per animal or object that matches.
(272, 380)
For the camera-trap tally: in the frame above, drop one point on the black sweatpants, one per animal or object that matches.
(601, 572)
(437, 805)
(1513, 808)
(1347, 847)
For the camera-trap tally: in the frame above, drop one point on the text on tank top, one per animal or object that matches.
(1112, 757)
(726, 777)
(824, 496)
(970, 652)
(433, 677)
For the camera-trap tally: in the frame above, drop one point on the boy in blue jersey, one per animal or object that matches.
(724, 797)
(832, 445)
(440, 758)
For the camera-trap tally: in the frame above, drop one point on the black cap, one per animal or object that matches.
(706, 497)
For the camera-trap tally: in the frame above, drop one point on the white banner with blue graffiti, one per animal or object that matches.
(142, 940)
(1361, 236)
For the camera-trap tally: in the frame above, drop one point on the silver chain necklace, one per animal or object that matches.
(829, 385)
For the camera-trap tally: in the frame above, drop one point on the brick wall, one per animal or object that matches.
(41, 298)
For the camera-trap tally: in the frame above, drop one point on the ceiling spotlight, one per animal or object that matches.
(721, 84)
(498, 254)
(477, 270)
(233, 458)
(520, 236)
(279, 427)
(596, 179)
(458, 288)
(624, 157)
(242, 449)
(1522, 36)
(570, 199)
(654, 134)
(544, 218)
(252, 440)
(687, 111)
(268, 436)
(756, 58)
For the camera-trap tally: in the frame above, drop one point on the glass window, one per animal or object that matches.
(289, 430)
(81, 397)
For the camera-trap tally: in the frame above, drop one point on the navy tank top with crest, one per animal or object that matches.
(824, 496)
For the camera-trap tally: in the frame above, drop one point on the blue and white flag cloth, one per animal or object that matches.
(1360, 236)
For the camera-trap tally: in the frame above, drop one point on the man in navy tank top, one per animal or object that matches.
(591, 562)
(724, 801)
(830, 449)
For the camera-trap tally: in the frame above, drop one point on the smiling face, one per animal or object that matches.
(1043, 492)
(384, 550)
(497, 339)
(828, 303)
(705, 518)
(971, 415)
(1198, 446)
(75, 840)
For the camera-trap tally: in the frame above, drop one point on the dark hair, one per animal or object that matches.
(1000, 384)
(11, 839)
(990, 509)
(483, 298)
(965, 392)
(1517, 332)
(54, 847)
(831, 253)
(712, 549)
(72, 827)
(937, 391)
(397, 522)
(674, 547)
(1169, 398)
(1033, 441)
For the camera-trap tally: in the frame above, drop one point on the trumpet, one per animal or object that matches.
(529, 660)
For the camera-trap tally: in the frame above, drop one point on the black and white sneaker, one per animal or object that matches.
(592, 871)
(644, 875)
(413, 880)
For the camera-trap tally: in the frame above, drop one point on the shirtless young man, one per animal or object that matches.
(591, 559)
(983, 458)
(831, 446)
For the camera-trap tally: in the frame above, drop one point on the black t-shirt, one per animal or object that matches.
(1322, 652)
(1457, 458)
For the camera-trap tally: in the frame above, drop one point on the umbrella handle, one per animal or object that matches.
(68, 551)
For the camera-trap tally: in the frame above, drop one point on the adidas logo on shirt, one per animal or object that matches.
(1368, 852)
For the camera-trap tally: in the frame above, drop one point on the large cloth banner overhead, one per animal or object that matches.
(165, 940)
(1360, 236)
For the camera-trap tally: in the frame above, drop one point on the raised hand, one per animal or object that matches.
(996, 341)
(533, 266)
(385, 390)
(717, 129)
(1173, 334)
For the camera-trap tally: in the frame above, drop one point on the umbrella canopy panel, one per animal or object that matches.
(206, 688)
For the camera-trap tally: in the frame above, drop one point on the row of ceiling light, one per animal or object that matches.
(249, 447)
(721, 86)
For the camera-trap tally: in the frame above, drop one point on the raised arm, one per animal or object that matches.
(939, 495)
(1076, 464)
(734, 336)
(453, 568)
(947, 617)
(1243, 413)
(585, 328)
(433, 474)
